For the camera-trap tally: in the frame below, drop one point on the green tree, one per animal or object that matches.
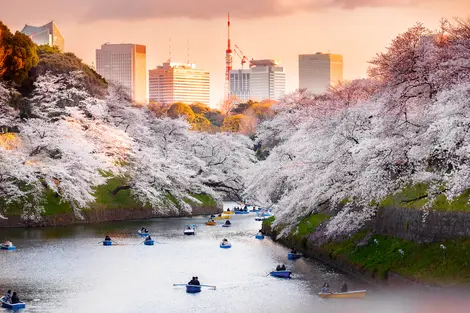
(22, 58)
(215, 117)
(201, 123)
(233, 123)
(200, 108)
(5, 51)
(180, 109)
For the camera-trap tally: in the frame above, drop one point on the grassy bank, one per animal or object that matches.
(438, 263)
(105, 200)
(415, 197)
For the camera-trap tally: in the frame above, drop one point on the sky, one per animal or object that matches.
(263, 29)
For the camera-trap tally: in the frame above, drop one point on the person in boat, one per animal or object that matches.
(224, 242)
(14, 298)
(196, 281)
(8, 243)
(107, 238)
(260, 232)
(344, 288)
(325, 288)
(192, 281)
(142, 229)
(283, 267)
(146, 231)
(7, 296)
(293, 251)
(227, 222)
(148, 238)
(228, 210)
(278, 267)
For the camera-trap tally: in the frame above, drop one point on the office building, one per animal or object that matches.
(264, 80)
(318, 72)
(47, 34)
(176, 82)
(125, 64)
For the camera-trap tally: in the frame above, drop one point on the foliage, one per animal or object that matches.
(71, 138)
(427, 262)
(368, 139)
(310, 223)
(180, 109)
(17, 55)
(232, 123)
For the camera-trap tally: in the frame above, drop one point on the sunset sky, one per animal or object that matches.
(275, 29)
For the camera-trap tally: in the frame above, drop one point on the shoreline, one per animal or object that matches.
(343, 265)
(96, 216)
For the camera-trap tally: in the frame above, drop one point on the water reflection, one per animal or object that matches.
(66, 269)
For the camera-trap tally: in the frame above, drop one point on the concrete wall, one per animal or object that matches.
(408, 224)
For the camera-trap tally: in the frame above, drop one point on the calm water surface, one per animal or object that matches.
(66, 269)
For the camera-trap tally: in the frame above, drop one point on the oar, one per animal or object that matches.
(179, 285)
(210, 286)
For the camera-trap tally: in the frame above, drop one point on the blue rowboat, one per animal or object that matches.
(193, 288)
(107, 243)
(10, 306)
(260, 237)
(294, 256)
(242, 212)
(281, 274)
(2, 247)
(226, 246)
(149, 242)
(141, 234)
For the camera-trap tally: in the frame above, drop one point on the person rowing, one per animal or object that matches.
(148, 238)
(7, 296)
(107, 238)
(224, 242)
(227, 222)
(344, 288)
(293, 251)
(14, 298)
(192, 281)
(7, 244)
(325, 288)
(281, 267)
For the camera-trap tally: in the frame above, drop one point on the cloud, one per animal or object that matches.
(210, 9)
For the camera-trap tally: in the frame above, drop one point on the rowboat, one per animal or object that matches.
(228, 245)
(242, 212)
(189, 230)
(107, 243)
(10, 306)
(141, 234)
(2, 247)
(193, 288)
(281, 274)
(294, 256)
(228, 212)
(226, 225)
(260, 237)
(223, 217)
(210, 223)
(149, 242)
(358, 294)
(260, 218)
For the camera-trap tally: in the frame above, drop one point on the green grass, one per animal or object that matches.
(409, 197)
(53, 204)
(206, 200)
(425, 262)
(309, 224)
(122, 200)
(269, 221)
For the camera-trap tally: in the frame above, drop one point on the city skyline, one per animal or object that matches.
(328, 29)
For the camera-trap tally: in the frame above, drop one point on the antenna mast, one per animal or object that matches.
(228, 65)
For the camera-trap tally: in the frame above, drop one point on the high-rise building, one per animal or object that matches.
(125, 64)
(320, 71)
(264, 80)
(177, 82)
(47, 34)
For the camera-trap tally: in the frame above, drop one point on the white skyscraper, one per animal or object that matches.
(264, 80)
(125, 64)
(177, 82)
(317, 72)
